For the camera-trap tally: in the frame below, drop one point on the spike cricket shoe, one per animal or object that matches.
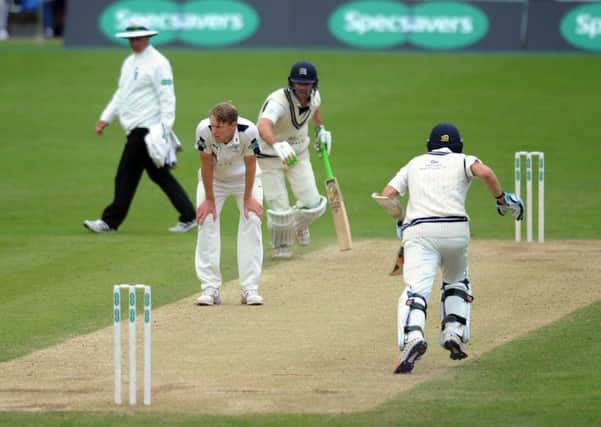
(303, 237)
(209, 296)
(453, 343)
(282, 252)
(412, 352)
(251, 297)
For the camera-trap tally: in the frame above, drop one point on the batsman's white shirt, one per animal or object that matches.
(229, 180)
(437, 183)
(145, 95)
(290, 123)
(290, 120)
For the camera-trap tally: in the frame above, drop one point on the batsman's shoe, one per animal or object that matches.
(182, 227)
(412, 352)
(209, 296)
(282, 252)
(453, 343)
(251, 297)
(303, 237)
(97, 226)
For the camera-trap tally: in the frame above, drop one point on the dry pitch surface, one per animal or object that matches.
(324, 342)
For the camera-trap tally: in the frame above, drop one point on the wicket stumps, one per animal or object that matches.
(131, 314)
(541, 193)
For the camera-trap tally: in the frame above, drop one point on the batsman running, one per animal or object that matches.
(435, 233)
(284, 136)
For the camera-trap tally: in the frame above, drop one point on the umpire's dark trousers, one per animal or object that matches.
(134, 161)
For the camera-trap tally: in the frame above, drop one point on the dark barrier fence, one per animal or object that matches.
(536, 25)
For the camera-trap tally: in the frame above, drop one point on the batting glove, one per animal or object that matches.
(323, 136)
(510, 202)
(285, 152)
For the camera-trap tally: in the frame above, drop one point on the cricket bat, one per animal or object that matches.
(336, 203)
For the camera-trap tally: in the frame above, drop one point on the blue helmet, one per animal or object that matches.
(303, 72)
(445, 135)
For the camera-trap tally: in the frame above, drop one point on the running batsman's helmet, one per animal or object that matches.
(303, 72)
(445, 135)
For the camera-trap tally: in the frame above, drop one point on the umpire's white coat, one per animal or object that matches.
(229, 179)
(145, 95)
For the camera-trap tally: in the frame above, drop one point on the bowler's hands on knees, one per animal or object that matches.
(251, 205)
(205, 209)
(100, 125)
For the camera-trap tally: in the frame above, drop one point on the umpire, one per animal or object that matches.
(144, 100)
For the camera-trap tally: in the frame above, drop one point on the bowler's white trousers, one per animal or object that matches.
(250, 240)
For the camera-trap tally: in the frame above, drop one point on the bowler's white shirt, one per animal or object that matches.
(145, 95)
(437, 183)
(228, 159)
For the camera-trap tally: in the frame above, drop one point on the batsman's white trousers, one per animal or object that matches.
(300, 177)
(250, 240)
(424, 255)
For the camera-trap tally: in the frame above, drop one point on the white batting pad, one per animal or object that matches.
(456, 306)
(410, 316)
(305, 216)
(281, 227)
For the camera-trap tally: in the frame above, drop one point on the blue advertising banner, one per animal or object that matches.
(565, 26)
(344, 24)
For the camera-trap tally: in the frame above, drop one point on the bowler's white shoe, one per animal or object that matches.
(97, 226)
(303, 237)
(282, 252)
(412, 351)
(453, 343)
(209, 296)
(182, 227)
(251, 297)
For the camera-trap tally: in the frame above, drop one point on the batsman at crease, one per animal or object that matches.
(284, 137)
(435, 233)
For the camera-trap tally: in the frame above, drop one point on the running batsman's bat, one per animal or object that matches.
(343, 229)
(395, 210)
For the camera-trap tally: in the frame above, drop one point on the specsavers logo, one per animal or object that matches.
(581, 27)
(205, 23)
(433, 25)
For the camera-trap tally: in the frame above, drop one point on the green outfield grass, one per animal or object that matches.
(56, 277)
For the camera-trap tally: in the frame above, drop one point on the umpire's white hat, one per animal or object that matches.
(135, 29)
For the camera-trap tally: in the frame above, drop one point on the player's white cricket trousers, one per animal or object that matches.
(250, 241)
(424, 255)
(300, 177)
